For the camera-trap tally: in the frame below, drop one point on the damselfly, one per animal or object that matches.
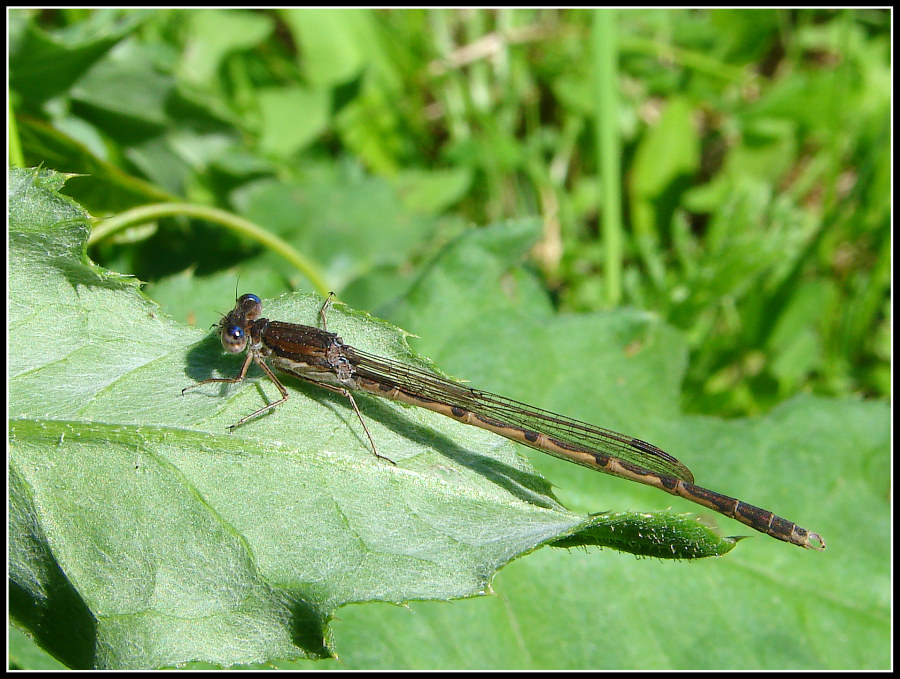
(321, 357)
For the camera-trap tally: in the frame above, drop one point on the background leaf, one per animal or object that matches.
(127, 489)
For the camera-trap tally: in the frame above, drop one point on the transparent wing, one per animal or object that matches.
(521, 416)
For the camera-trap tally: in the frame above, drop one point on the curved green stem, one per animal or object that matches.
(147, 213)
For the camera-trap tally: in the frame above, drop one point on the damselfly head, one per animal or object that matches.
(234, 327)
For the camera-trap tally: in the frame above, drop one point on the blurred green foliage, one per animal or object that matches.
(754, 147)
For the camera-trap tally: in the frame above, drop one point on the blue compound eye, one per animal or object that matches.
(250, 306)
(234, 339)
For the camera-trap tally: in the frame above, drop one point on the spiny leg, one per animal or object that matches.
(281, 388)
(240, 378)
(325, 306)
(352, 400)
(230, 380)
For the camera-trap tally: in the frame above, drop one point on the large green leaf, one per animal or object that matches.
(162, 538)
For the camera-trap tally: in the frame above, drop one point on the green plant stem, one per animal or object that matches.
(147, 213)
(15, 157)
(609, 147)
